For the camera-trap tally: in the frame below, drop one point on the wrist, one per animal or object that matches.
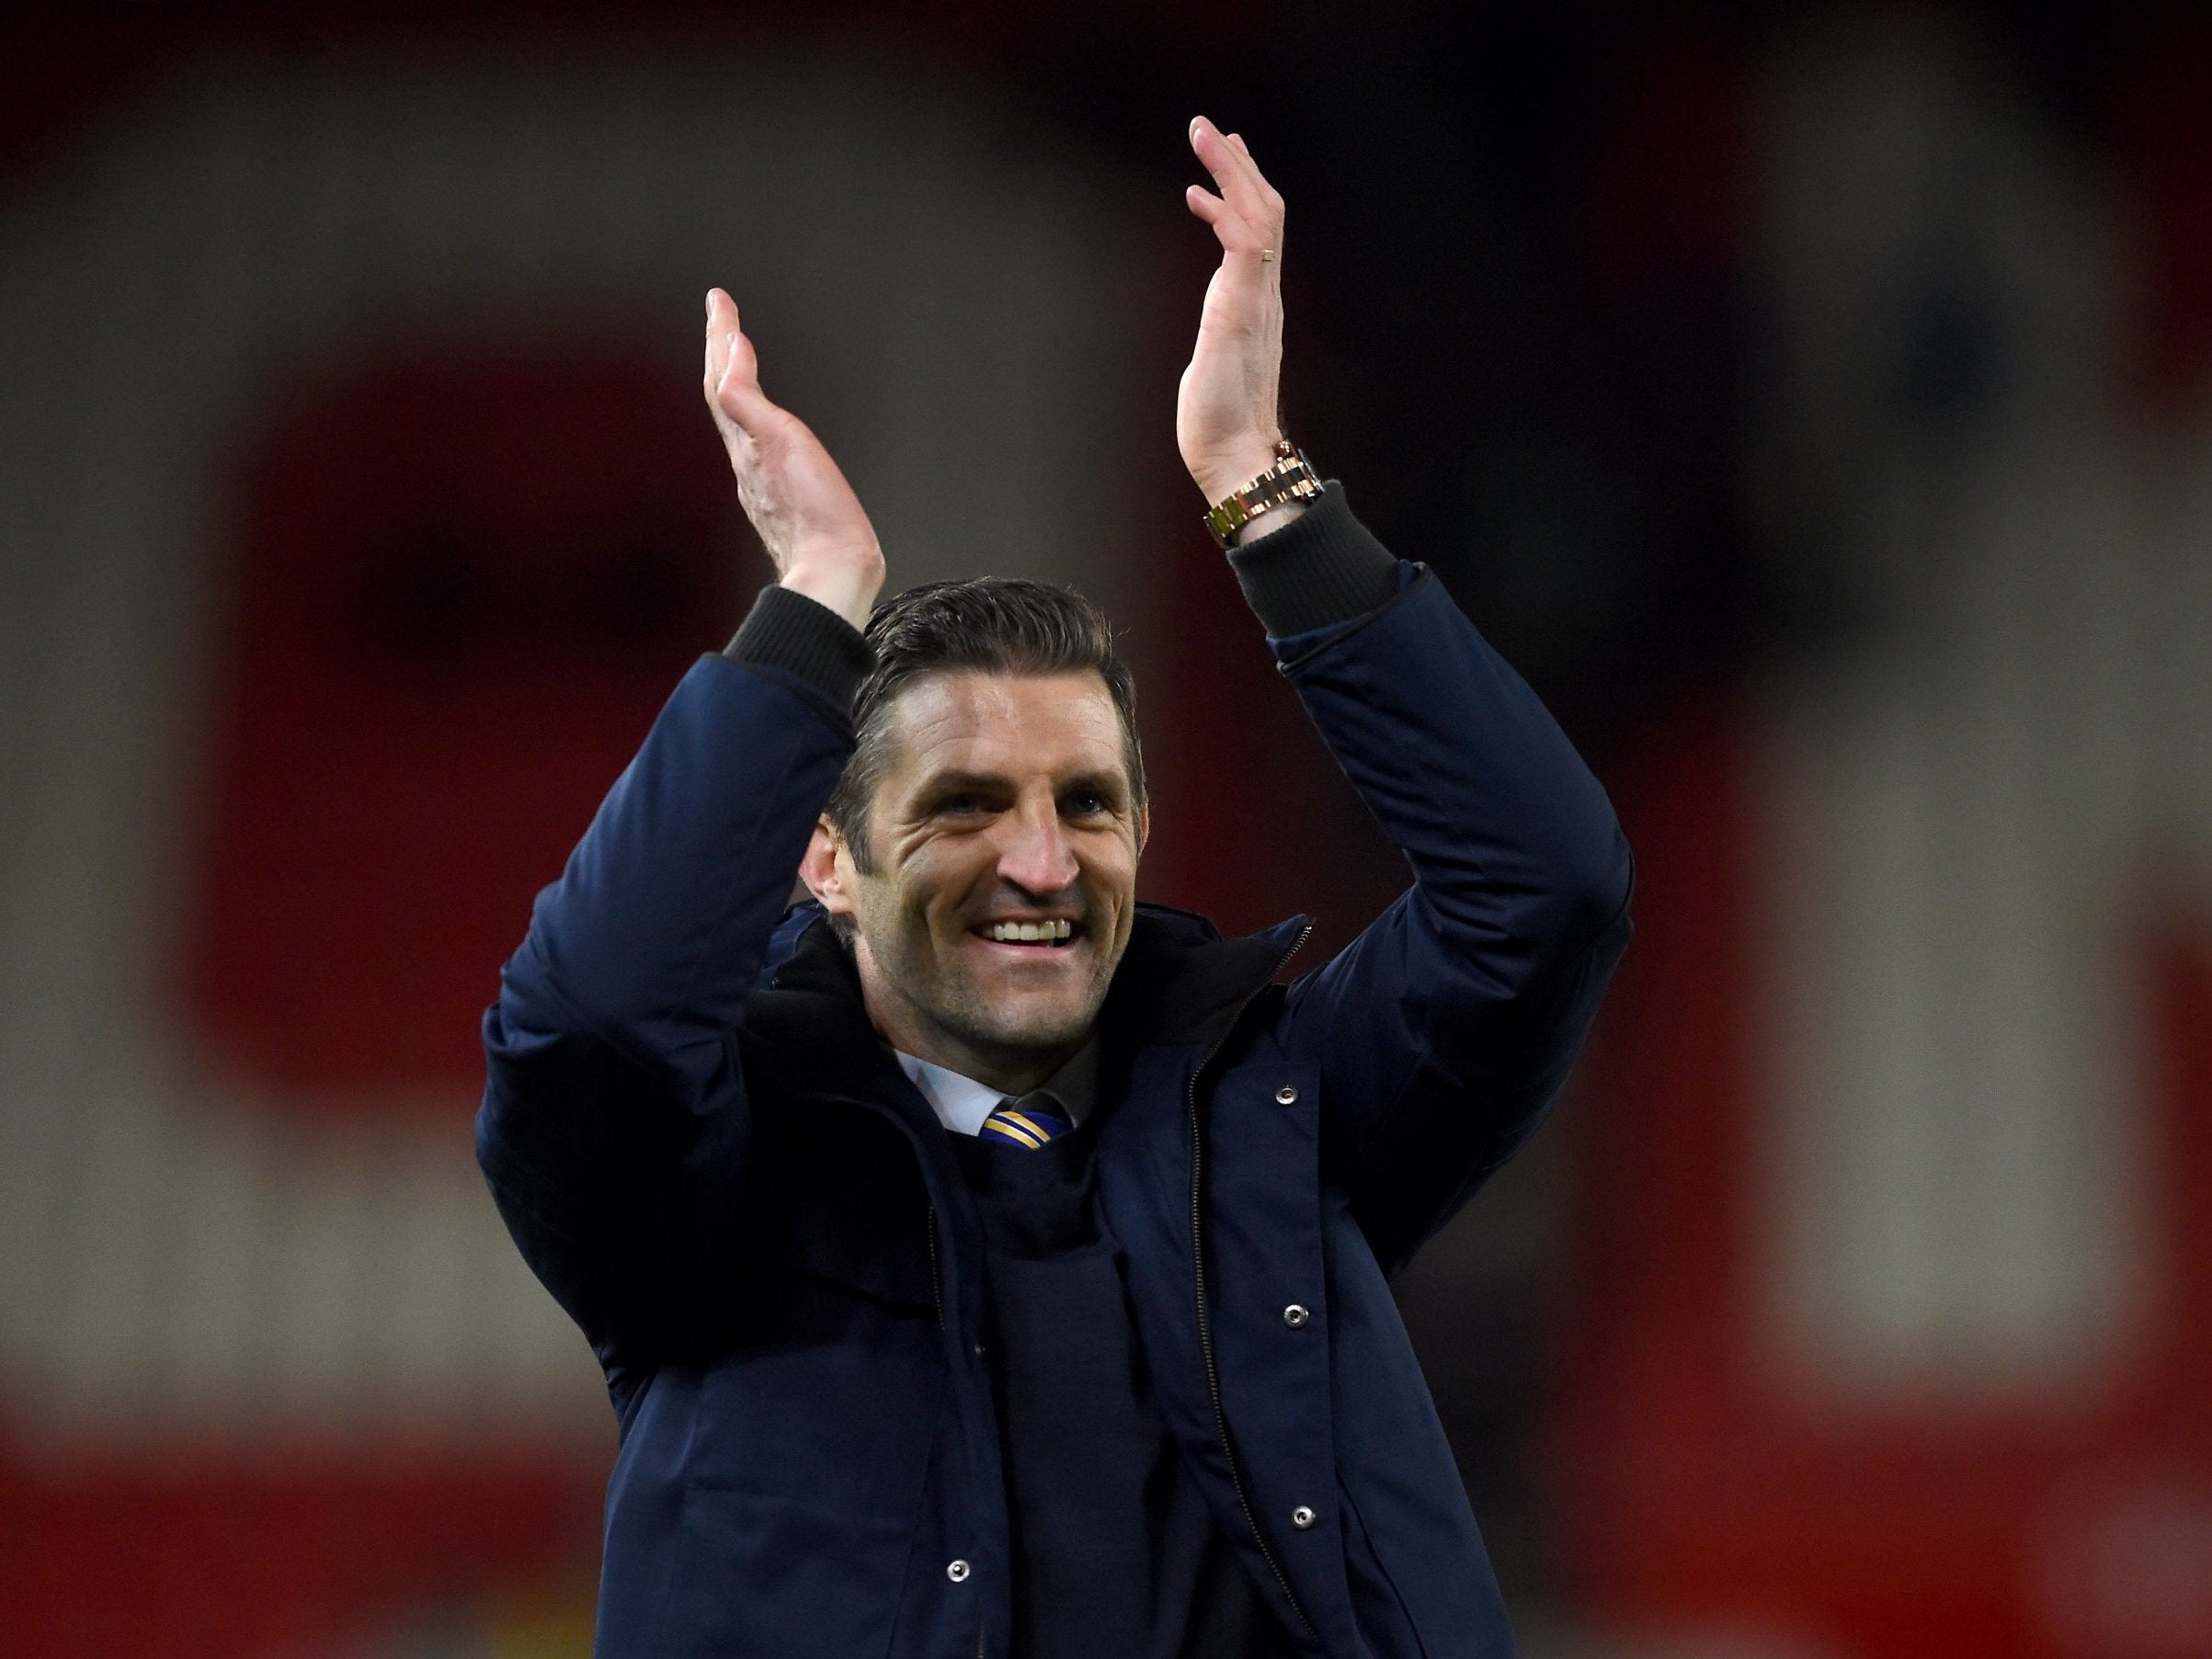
(1287, 479)
(1231, 468)
(847, 584)
(1266, 522)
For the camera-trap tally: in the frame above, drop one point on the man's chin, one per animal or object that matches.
(1021, 1026)
(1034, 1036)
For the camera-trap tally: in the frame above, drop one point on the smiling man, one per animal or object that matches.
(980, 853)
(984, 1261)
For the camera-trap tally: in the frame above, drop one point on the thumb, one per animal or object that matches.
(737, 393)
(1236, 305)
(733, 371)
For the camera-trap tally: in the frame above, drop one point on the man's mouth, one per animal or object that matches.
(1057, 932)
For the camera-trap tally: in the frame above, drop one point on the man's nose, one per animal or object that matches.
(1035, 854)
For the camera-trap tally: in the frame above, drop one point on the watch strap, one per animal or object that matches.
(1290, 478)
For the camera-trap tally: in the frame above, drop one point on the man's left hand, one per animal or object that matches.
(1225, 413)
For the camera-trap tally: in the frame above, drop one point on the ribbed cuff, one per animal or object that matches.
(1323, 568)
(795, 635)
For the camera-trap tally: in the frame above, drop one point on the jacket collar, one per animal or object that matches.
(1181, 981)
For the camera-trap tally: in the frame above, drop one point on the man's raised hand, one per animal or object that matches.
(1226, 410)
(806, 514)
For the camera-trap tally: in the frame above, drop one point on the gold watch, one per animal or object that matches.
(1290, 478)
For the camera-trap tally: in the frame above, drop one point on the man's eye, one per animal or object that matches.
(1088, 803)
(961, 803)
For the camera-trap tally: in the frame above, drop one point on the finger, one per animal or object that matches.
(1240, 245)
(1230, 175)
(1239, 234)
(1238, 240)
(722, 332)
(1235, 177)
(1251, 221)
(1270, 200)
(1244, 152)
(722, 314)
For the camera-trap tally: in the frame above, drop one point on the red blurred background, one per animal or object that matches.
(1815, 407)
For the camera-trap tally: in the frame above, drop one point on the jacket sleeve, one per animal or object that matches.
(613, 1126)
(1446, 1029)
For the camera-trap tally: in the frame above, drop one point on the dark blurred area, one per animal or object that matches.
(1814, 402)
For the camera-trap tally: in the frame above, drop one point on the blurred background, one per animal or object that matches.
(1815, 402)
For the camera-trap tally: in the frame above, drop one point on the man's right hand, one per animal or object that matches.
(806, 514)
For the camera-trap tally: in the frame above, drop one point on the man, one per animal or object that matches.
(984, 1262)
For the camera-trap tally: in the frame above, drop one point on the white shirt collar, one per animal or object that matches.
(960, 1102)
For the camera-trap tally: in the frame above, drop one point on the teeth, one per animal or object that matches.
(1031, 933)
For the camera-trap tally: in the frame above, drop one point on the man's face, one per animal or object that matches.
(1006, 807)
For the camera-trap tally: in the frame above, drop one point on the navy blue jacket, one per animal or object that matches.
(710, 1160)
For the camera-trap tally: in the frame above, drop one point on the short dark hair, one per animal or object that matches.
(987, 625)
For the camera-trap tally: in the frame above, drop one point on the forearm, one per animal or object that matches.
(1392, 693)
(654, 933)
(1445, 1029)
(1508, 836)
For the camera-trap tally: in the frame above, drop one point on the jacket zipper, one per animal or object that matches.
(1205, 1328)
(936, 1281)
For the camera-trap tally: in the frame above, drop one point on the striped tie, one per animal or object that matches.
(1022, 1126)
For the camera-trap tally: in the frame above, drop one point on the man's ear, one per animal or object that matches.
(828, 869)
(1144, 827)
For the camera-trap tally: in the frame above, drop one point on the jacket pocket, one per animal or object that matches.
(1385, 1625)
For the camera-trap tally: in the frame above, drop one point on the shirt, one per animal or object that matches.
(961, 1104)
